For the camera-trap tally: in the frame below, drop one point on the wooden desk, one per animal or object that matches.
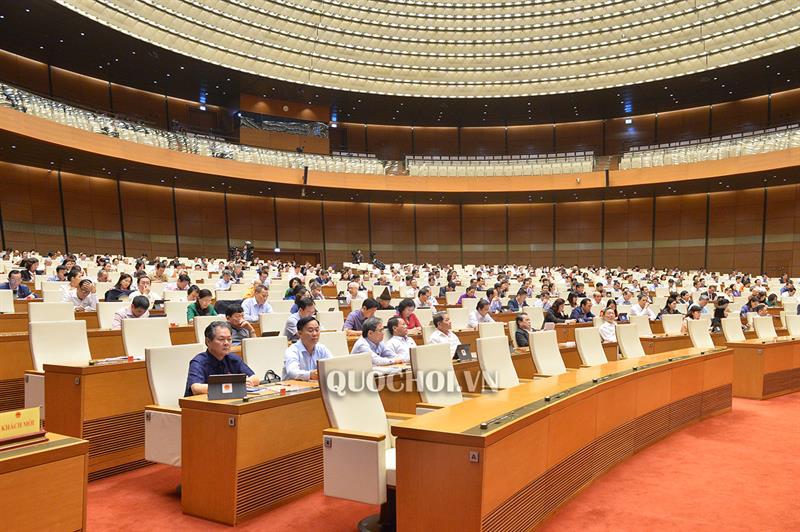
(43, 486)
(764, 369)
(102, 404)
(18, 322)
(239, 459)
(512, 476)
(663, 344)
(565, 332)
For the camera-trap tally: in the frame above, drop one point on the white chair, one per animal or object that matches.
(63, 343)
(495, 328)
(141, 333)
(642, 324)
(451, 298)
(590, 346)
(545, 353)
(7, 302)
(424, 315)
(175, 311)
(469, 303)
(175, 295)
(628, 340)
(427, 331)
(356, 304)
(50, 311)
(672, 324)
(459, 317)
(355, 467)
(282, 306)
(699, 333)
(512, 332)
(732, 329)
(273, 321)
(106, 311)
(331, 321)
(537, 316)
(335, 341)
(383, 315)
(497, 367)
(435, 378)
(765, 327)
(166, 373)
(201, 322)
(263, 354)
(793, 325)
(52, 296)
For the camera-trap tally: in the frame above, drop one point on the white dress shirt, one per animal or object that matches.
(475, 318)
(381, 355)
(608, 331)
(252, 309)
(438, 337)
(401, 346)
(88, 303)
(124, 314)
(431, 304)
(637, 310)
(298, 363)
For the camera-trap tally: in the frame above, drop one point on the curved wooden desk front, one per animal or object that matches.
(766, 368)
(512, 475)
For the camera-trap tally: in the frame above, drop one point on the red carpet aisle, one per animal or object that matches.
(738, 471)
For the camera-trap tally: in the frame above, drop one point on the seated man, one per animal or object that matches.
(425, 299)
(479, 315)
(300, 359)
(355, 320)
(61, 274)
(583, 313)
(443, 333)
(517, 304)
(226, 280)
(524, 329)
(399, 342)
(316, 291)
(257, 304)
(642, 307)
(102, 276)
(182, 283)
(143, 289)
(240, 327)
(83, 298)
(305, 308)
(138, 309)
(216, 360)
(371, 342)
(608, 330)
(14, 284)
(469, 293)
(353, 292)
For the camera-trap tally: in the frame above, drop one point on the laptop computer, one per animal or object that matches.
(463, 353)
(227, 386)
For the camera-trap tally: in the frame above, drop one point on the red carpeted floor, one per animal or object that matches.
(737, 471)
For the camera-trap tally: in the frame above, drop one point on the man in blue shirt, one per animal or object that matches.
(583, 313)
(355, 320)
(371, 343)
(305, 308)
(14, 283)
(216, 360)
(300, 359)
(256, 305)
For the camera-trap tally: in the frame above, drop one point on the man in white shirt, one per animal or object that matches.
(143, 289)
(354, 293)
(608, 330)
(83, 297)
(425, 299)
(257, 304)
(226, 280)
(182, 283)
(479, 315)
(642, 308)
(626, 298)
(399, 343)
(300, 359)
(371, 342)
(137, 309)
(443, 333)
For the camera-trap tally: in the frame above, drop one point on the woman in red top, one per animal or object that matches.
(405, 309)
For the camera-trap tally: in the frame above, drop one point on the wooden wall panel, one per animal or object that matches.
(148, 219)
(353, 137)
(628, 233)
(346, 229)
(251, 218)
(438, 234)
(389, 142)
(141, 104)
(484, 234)
(785, 108)
(680, 231)
(530, 234)
(735, 229)
(24, 72)
(393, 232)
(189, 113)
(276, 140)
(523, 140)
(580, 136)
(741, 115)
(299, 225)
(782, 246)
(483, 141)
(578, 233)
(31, 208)
(201, 223)
(284, 108)
(436, 141)
(91, 210)
(90, 92)
(683, 125)
(621, 136)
